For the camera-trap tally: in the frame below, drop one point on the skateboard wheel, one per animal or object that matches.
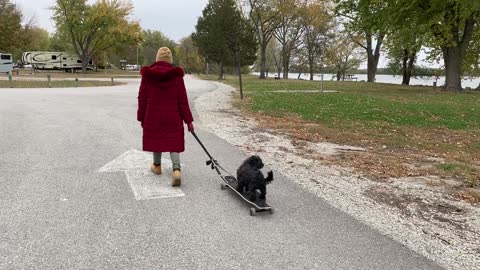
(271, 211)
(253, 212)
(223, 186)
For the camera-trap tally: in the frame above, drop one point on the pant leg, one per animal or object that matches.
(157, 158)
(175, 160)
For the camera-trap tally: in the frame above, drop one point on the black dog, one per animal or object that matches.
(250, 178)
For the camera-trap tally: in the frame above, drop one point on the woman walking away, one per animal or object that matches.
(162, 110)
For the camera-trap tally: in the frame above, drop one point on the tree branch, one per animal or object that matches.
(347, 16)
(381, 36)
(357, 42)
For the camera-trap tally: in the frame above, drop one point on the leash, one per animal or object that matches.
(213, 163)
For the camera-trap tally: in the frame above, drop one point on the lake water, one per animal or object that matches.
(466, 82)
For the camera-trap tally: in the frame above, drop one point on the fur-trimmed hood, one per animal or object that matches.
(162, 71)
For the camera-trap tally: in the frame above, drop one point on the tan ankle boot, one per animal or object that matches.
(177, 178)
(156, 169)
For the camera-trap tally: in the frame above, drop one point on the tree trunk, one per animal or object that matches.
(406, 77)
(371, 68)
(409, 69)
(405, 71)
(286, 69)
(84, 62)
(344, 69)
(453, 67)
(263, 59)
(454, 56)
(311, 65)
(284, 62)
(339, 75)
(287, 65)
(373, 57)
(220, 75)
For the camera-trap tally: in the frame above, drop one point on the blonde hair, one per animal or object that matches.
(164, 54)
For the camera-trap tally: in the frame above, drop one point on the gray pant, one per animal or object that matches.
(157, 159)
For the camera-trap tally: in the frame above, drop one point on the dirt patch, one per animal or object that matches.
(411, 205)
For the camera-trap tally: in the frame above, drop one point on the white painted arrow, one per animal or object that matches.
(145, 185)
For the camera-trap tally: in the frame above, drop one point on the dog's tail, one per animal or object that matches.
(269, 178)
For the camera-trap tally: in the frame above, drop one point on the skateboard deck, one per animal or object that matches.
(259, 205)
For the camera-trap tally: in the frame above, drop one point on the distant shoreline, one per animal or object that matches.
(471, 82)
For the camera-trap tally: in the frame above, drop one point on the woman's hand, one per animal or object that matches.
(190, 127)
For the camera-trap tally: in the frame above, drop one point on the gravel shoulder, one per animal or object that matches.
(414, 211)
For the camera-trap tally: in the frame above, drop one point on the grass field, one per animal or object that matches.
(394, 121)
(54, 84)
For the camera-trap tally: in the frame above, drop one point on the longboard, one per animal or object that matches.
(259, 205)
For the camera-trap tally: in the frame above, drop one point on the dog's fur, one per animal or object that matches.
(250, 178)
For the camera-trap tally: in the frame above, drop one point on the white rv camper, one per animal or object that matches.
(54, 60)
(6, 63)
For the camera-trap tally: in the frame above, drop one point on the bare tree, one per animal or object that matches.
(343, 54)
(274, 56)
(316, 22)
(289, 31)
(264, 15)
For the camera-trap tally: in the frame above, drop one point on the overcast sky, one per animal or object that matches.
(175, 18)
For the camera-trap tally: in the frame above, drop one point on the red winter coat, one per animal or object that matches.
(163, 107)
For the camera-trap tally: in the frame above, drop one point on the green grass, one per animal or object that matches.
(54, 84)
(371, 109)
(369, 104)
(449, 167)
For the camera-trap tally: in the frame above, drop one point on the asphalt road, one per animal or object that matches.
(57, 211)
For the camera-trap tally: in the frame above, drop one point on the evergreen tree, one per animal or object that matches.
(224, 36)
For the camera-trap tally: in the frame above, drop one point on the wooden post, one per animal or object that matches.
(10, 79)
(49, 78)
(239, 65)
